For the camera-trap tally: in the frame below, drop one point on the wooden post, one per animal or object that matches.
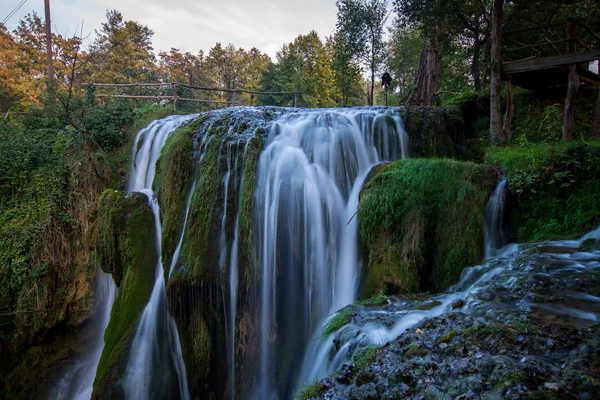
(573, 84)
(174, 85)
(385, 94)
(496, 132)
(596, 123)
(510, 108)
(297, 100)
(50, 65)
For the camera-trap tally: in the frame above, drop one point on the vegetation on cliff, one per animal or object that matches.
(554, 188)
(421, 223)
(127, 247)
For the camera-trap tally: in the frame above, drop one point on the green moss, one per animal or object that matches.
(201, 345)
(379, 299)
(448, 336)
(309, 391)
(131, 252)
(340, 319)
(555, 188)
(195, 248)
(365, 356)
(174, 172)
(429, 306)
(247, 257)
(421, 221)
(414, 350)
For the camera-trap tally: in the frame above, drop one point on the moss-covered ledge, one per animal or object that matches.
(421, 223)
(126, 246)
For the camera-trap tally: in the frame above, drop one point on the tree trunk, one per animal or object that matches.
(496, 133)
(475, 63)
(510, 108)
(573, 84)
(596, 123)
(427, 76)
(567, 133)
(372, 85)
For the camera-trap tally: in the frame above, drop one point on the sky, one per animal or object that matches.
(191, 25)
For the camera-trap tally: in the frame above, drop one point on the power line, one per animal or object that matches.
(13, 12)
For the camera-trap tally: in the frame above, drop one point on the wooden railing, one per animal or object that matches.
(175, 99)
(573, 46)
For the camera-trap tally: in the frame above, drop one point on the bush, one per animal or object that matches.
(556, 187)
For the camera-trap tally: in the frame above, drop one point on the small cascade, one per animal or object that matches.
(514, 267)
(493, 220)
(309, 178)
(156, 342)
(77, 383)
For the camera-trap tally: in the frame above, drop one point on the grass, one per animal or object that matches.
(340, 319)
(309, 391)
(555, 187)
(421, 221)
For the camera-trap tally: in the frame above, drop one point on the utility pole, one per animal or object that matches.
(50, 70)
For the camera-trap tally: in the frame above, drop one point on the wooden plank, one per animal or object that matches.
(549, 62)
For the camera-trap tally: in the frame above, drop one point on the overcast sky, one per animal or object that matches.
(191, 25)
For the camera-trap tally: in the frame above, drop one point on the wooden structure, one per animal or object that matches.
(175, 99)
(550, 62)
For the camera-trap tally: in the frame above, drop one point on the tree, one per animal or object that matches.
(360, 26)
(404, 49)
(123, 51)
(304, 66)
(348, 79)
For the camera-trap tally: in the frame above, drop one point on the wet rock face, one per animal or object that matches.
(521, 326)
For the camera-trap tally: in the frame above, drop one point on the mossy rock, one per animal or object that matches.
(174, 173)
(421, 223)
(127, 245)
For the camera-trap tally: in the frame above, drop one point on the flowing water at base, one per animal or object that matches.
(77, 383)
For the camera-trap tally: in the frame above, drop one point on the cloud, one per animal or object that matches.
(191, 25)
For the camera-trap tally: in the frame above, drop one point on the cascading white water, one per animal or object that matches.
(156, 338)
(309, 178)
(321, 363)
(78, 382)
(494, 213)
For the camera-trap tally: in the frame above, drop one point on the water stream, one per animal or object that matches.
(149, 349)
(309, 178)
(77, 383)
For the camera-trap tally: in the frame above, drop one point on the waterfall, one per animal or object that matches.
(156, 340)
(493, 226)
(77, 383)
(309, 178)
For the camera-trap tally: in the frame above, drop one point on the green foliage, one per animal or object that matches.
(557, 187)
(309, 391)
(360, 26)
(303, 65)
(126, 243)
(174, 173)
(365, 356)
(421, 221)
(248, 258)
(195, 249)
(340, 319)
